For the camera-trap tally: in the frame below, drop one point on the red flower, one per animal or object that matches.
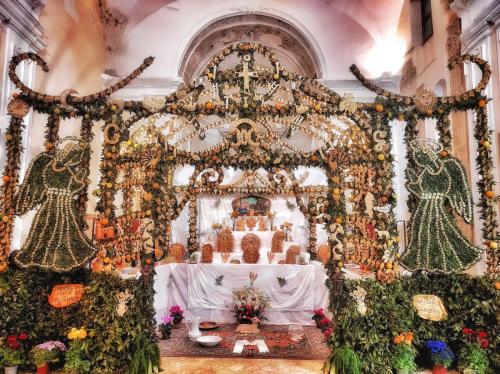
(325, 321)
(15, 346)
(23, 336)
(482, 335)
(328, 332)
(466, 330)
(485, 344)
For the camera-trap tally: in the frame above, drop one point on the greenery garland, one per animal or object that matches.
(486, 183)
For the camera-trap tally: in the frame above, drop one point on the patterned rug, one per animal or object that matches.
(277, 338)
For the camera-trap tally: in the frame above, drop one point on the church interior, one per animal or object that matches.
(259, 186)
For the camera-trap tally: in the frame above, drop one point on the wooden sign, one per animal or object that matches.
(429, 307)
(64, 295)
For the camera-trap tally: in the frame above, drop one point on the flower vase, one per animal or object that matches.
(177, 323)
(402, 371)
(45, 369)
(10, 369)
(438, 369)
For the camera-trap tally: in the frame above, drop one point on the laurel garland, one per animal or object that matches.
(487, 199)
(13, 138)
(443, 127)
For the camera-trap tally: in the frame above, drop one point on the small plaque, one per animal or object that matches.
(429, 307)
(64, 295)
(18, 108)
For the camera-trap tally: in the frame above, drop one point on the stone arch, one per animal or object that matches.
(294, 48)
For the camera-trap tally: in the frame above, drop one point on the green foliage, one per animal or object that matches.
(76, 359)
(146, 358)
(110, 344)
(470, 301)
(472, 356)
(404, 357)
(345, 361)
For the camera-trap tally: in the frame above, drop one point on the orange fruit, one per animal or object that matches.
(489, 194)
(482, 103)
(379, 108)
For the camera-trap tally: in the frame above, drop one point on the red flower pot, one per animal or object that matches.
(45, 369)
(438, 369)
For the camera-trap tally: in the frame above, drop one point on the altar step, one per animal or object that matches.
(190, 365)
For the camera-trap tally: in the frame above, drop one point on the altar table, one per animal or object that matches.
(194, 288)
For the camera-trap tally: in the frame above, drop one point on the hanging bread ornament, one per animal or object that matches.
(18, 108)
(425, 99)
(63, 97)
(111, 139)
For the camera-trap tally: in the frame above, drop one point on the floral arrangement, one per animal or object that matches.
(76, 359)
(404, 353)
(250, 302)
(12, 350)
(473, 356)
(47, 352)
(165, 327)
(323, 322)
(176, 313)
(441, 354)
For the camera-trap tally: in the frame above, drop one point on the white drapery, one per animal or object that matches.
(171, 287)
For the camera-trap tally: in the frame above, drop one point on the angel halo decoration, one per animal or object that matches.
(56, 240)
(439, 183)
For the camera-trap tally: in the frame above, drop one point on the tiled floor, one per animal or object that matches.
(189, 365)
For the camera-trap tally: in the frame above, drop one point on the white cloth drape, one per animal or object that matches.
(171, 288)
(296, 294)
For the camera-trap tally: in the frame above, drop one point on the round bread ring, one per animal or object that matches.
(116, 137)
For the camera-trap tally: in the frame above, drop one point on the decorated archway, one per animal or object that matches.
(253, 109)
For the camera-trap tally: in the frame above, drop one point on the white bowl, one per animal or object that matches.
(209, 340)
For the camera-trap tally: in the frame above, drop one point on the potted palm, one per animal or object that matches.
(441, 356)
(403, 358)
(343, 360)
(473, 358)
(46, 353)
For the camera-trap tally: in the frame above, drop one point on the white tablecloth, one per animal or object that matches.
(294, 294)
(172, 286)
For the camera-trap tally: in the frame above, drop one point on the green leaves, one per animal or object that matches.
(470, 301)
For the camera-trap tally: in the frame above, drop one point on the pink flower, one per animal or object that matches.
(176, 310)
(167, 319)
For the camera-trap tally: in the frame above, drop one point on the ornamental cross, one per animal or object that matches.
(246, 74)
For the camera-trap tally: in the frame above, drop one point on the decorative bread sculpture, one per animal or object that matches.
(225, 241)
(277, 242)
(247, 329)
(324, 253)
(177, 251)
(291, 254)
(207, 253)
(250, 245)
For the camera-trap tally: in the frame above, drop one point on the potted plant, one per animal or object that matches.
(318, 316)
(343, 360)
(403, 358)
(12, 352)
(473, 358)
(177, 314)
(165, 327)
(441, 356)
(76, 360)
(46, 353)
